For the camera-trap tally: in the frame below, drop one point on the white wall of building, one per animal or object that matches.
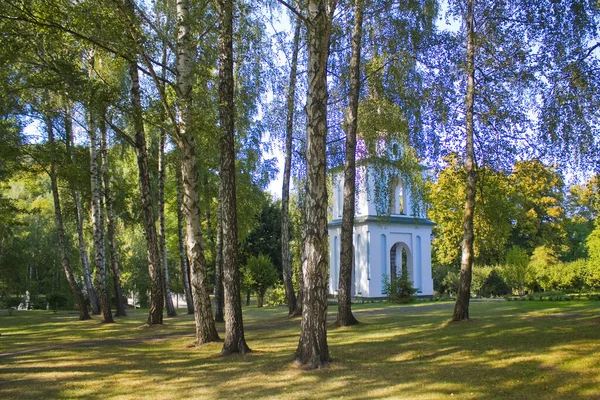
(374, 238)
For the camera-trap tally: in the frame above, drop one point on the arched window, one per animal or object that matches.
(358, 264)
(336, 264)
(418, 265)
(369, 255)
(384, 255)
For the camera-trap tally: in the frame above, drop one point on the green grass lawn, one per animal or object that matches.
(519, 350)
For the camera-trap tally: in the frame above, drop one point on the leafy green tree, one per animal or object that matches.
(593, 264)
(492, 220)
(537, 193)
(541, 263)
(494, 285)
(265, 237)
(515, 270)
(480, 275)
(259, 275)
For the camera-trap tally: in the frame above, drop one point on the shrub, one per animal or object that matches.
(57, 301)
(259, 275)
(494, 285)
(399, 289)
(275, 296)
(515, 271)
(10, 303)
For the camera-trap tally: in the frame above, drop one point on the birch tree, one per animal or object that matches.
(235, 341)
(345, 316)
(313, 351)
(62, 242)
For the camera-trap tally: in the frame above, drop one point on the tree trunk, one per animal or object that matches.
(461, 309)
(161, 194)
(345, 316)
(62, 243)
(98, 223)
(286, 261)
(110, 229)
(161, 224)
(205, 324)
(235, 341)
(260, 298)
(313, 351)
(300, 297)
(155, 315)
(219, 295)
(185, 266)
(87, 272)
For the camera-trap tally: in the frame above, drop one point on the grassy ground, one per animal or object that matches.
(519, 350)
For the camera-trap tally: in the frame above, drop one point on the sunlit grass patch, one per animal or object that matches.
(509, 350)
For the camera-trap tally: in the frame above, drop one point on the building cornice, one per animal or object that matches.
(393, 220)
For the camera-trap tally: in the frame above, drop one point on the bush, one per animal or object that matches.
(494, 285)
(57, 301)
(10, 303)
(259, 274)
(275, 296)
(398, 290)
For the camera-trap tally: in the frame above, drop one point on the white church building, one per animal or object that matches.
(384, 246)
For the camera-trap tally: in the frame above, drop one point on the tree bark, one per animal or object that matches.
(110, 228)
(62, 243)
(300, 297)
(235, 341)
(219, 295)
(286, 261)
(205, 324)
(313, 351)
(87, 272)
(161, 224)
(185, 265)
(345, 316)
(461, 309)
(155, 315)
(98, 222)
(161, 193)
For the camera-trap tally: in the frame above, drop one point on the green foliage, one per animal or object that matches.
(259, 274)
(537, 193)
(541, 263)
(444, 281)
(10, 303)
(275, 296)
(265, 236)
(515, 270)
(479, 277)
(57, 301)
(398, 290)
(494, 286)
(492, 214)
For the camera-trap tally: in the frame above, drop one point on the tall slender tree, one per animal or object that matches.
(62, 242)
(313, 351)
(205, 324)
(161, 224)
(110, 225)
(183, 256)
(286, 262)
(219, 295)
(235, 341)
(97, 214)
(461, 309)
(87, 272)
(345, 316)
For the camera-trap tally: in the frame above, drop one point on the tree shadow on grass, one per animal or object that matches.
(506, 352)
